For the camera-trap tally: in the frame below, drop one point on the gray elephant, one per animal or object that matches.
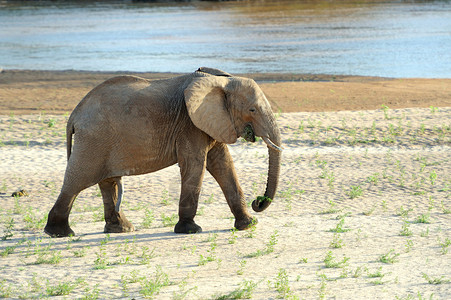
(129, 125)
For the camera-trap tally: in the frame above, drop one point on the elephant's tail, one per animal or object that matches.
(69, 133)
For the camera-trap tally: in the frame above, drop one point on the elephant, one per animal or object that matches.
(129, 125)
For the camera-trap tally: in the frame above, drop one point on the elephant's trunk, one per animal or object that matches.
(275, 155)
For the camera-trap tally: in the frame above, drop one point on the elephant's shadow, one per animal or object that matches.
(97, 238)
(140, 238)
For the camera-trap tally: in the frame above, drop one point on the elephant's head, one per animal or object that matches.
(229, 107)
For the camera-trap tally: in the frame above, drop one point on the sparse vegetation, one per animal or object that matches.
(152, 286)
(340, 226)
(355, 191)
(389, 258)
(61, 289)
(269, 248)
(337, 242)
(169, 221)
(435, 280)
(445, 245)
(331, 262)
(244, 291)
(148, 218)
(282, 285)
(405, 230)
(8, 232)
(388, 192)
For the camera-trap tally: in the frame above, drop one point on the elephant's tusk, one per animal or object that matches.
(271, 144)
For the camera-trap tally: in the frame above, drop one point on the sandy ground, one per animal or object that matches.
(363, 209)
(25, 92)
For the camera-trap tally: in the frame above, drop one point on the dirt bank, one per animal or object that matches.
(58, 92)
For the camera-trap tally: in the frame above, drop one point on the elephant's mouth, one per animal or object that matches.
(248, 133)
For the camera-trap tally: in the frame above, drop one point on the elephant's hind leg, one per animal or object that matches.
(58, 218)
(115, 221)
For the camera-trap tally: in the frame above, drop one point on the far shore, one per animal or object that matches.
(58, 92)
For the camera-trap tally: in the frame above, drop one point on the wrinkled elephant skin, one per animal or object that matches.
(130, 125)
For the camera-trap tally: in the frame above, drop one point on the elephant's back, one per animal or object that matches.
(112, 92)
(129, 109)
(107, 99)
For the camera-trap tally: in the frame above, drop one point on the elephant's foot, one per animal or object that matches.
(245, 223)
(187, 227)
(58, 230)
(119, 227)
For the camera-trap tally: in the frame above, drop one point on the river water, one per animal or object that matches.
(376, 38)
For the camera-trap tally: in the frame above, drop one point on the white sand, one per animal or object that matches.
(402, 164)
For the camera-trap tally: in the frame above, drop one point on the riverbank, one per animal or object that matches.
(362, 209)
(362, 212)
(58, 92)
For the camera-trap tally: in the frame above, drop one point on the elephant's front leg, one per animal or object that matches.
(192, 171)
(115, 221)
(220, 165)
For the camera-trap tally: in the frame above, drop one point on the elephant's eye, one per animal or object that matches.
(252, 110)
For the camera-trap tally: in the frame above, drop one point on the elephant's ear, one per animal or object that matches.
(205, 100)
